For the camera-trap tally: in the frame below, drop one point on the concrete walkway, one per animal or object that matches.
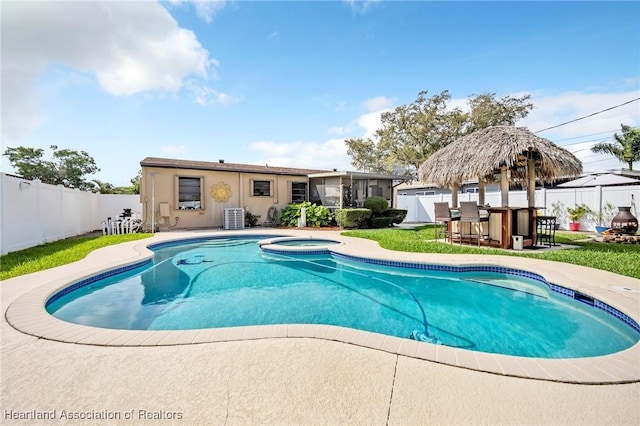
(276, 380)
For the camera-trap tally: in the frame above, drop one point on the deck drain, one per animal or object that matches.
(626, 289)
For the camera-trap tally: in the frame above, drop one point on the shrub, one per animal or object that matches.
(380, 222)
(396, 215)
(352, 218)
(316, 215)
(251, 219)
(376, 204)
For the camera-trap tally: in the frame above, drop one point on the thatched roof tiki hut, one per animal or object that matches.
(518, 156)
(482, 154)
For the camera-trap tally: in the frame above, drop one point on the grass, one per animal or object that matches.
(623, 259)
(57, 253)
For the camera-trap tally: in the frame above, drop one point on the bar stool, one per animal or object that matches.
(443, 217)
(470, 213)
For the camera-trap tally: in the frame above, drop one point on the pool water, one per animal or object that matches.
(230, 282)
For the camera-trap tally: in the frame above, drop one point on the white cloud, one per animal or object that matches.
(366, 124)
(378, 103)
(328, 155)
(370, 123)
(207, 96)
(360, 6)
(205, 9)
(337, 130)
(130, 47)
(174, 151)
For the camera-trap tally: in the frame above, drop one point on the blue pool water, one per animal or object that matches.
(230, 282)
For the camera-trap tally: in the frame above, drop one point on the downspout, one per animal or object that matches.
(393, 192)
(153, 202)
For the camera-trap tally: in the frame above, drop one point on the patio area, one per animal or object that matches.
(293, 380)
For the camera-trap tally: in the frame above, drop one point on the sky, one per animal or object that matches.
(286, 83)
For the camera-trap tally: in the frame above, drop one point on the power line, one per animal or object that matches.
(586, 116)
(584, 136)
(587, 141)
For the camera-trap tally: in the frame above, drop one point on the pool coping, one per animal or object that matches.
(27, 312)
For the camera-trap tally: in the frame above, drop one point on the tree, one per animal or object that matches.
(411, 133)
(627, 146)
(366, 155)
(487, 111)
(68, 167)
(135, 182)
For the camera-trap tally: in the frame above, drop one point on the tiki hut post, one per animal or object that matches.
(454, 195)
(504, 186)
(531, 189)
(481, 191)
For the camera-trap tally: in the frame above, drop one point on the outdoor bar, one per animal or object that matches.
(508, 154)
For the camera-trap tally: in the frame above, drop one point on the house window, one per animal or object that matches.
(189, 193)
(262, 188)
(298, 192)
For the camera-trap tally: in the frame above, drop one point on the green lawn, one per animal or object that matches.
(57, 253)
(622, 259)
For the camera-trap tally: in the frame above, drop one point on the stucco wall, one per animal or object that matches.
(211, 213)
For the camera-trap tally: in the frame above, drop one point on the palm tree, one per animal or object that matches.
(627, 146)
(102, 187)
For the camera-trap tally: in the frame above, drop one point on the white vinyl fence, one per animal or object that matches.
(420, 207)
(33, 213)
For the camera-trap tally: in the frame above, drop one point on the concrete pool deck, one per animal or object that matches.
(323, 375)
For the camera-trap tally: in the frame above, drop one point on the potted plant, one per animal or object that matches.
(603, 217)
(575, 214)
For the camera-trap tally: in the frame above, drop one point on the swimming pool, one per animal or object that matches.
(228, 282)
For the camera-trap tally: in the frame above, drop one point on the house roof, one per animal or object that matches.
(357, 175)
(606, 179)
(222, 166)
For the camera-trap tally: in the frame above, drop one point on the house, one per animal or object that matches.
(194, 194)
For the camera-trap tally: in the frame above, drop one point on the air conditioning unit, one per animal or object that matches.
(233, 219)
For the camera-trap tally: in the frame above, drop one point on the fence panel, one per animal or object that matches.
(553, 202)
(33, 213)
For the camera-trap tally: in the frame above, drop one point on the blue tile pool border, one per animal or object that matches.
(296, 252)
(192, 240)
(92, 279)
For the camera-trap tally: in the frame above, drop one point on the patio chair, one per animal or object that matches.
(470, 213)
(443, 220)
(272, 217)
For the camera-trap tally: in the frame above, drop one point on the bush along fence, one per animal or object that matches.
(375, 214)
